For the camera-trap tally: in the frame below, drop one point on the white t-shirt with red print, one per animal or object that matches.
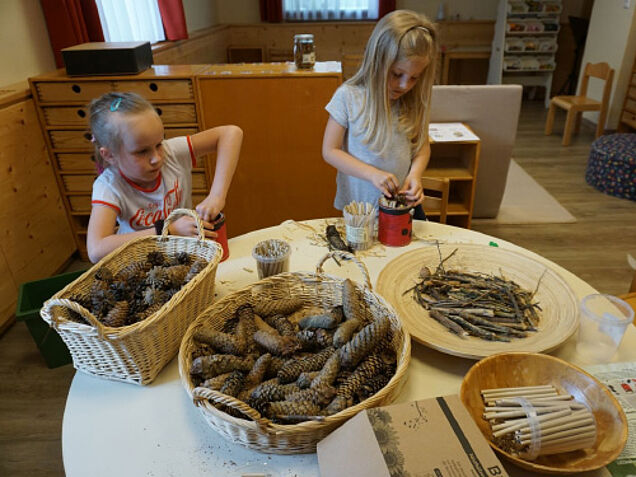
(138, 208)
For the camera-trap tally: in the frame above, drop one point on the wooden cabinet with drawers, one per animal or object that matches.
(61, 102)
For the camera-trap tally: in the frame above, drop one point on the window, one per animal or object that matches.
(130, 20)
(307, 10)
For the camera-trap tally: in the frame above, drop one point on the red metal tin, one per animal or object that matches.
(221, 230)
(395, 226)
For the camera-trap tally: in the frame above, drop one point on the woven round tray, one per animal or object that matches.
(135, 353)
(256, 431)
(559, 315)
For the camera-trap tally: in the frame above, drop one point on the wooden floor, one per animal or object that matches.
(32, 397)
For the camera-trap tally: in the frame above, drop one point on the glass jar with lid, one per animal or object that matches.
(304, 52)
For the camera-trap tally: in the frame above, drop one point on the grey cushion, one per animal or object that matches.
(492, 112)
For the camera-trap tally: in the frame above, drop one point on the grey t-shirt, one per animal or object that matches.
(344, 108)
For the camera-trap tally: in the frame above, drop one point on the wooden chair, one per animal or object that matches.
(576, 105)
(437, 204)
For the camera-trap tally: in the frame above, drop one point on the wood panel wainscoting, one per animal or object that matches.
(36, 236)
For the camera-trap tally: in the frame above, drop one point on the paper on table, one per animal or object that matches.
(450, 132)
(620, 378)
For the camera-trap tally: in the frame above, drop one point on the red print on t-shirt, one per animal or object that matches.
(146, 218)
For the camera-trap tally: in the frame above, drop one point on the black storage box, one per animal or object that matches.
(107, 58)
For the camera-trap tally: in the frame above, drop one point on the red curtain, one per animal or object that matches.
(173, 19)
(71, 22)
(271, 10)
(385, 6)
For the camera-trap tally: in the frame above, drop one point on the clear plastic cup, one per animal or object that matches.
(272, 257)
(604, 319)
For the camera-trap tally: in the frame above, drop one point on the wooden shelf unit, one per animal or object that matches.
(62, 105)
(504, 58)
(627, 122)
(459, 161)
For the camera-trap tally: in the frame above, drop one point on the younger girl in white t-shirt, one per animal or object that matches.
(145, 176)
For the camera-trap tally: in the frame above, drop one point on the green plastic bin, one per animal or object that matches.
(31, 297)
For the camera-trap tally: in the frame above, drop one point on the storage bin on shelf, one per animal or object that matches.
(514, 45)
(530, 44)
(517, 7)
(530, 63)
(512, 63)
(314, 289)
(31, 297)
(135, 353)
(547, 45)
(550, 25)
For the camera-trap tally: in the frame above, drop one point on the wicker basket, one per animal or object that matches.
(260, 433)
(135, 353)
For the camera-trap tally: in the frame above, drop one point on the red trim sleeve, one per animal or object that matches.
(108, 204)
(194, 159)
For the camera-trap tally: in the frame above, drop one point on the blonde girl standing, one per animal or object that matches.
(377, 132)
(145, 176)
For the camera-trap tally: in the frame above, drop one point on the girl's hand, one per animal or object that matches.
(210, 207)
(187, 227)
(385, 182)
(412, 190)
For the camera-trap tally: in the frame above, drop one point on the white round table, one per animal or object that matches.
(118, 429)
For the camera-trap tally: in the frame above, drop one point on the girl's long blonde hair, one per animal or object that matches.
(399, 35)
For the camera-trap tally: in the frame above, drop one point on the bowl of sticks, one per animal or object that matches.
(544, 414)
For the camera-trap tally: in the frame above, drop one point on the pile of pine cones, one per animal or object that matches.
(292, 363)
(139, 289)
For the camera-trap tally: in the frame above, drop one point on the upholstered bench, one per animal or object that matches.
(611, 167)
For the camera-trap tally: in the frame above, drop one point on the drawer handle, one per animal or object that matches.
(153, 87)
(76, 88)
(159, 111)
(81, 113)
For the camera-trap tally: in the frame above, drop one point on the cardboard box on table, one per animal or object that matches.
(433, 437)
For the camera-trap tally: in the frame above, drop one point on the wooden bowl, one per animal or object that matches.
(527, 369)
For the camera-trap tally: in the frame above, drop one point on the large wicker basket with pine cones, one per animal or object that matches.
(240, 422)
(135, 353)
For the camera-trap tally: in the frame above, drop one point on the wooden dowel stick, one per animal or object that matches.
(547, 437)
(542, 418)
(519, 388)
(522, 412)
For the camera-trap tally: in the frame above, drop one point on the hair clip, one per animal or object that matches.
(115, 104)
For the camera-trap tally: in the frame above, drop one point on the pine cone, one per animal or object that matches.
(293, 367)
(117, 316)
(265, 306)
(363, 342)
(233, 384)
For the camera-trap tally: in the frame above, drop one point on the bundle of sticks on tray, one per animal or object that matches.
(531, 421)
(486, 306)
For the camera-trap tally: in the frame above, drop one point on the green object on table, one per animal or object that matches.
(493, 244)
(622, 470)
(31, 297)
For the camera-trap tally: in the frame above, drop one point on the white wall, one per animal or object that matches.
(25, 49)
(238, 11)
(200, 14)
(611, 37)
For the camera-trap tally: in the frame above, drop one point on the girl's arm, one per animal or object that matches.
(333, 154)
(412, 186)
(101, 237)
(226, 141)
